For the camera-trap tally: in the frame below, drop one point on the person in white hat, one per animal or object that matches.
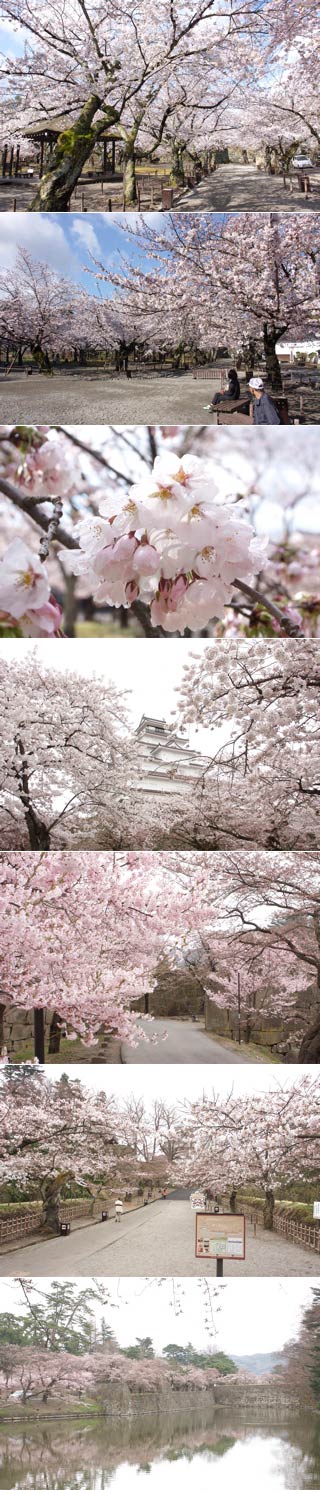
(264, 410)
(118, 1210)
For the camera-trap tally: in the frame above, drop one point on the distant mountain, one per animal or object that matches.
(257, 1364)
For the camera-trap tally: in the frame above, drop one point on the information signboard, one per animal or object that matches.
(316, 1211)
(197, 1200)
(220, 1237)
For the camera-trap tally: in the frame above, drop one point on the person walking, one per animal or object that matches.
(264, 410)
(118, 1210)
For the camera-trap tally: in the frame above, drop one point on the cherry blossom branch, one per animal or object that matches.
(27, 506)
(292, 629)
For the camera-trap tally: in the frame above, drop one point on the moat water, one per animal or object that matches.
(219, 1453)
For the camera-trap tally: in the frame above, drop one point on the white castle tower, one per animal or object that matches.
(167, 763)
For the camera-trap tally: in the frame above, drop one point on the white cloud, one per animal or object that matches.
(39, 233)
(85, 234)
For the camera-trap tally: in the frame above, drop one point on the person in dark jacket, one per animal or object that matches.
(264, 410)
(232, 392)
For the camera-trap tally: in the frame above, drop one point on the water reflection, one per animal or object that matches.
(183, 1450)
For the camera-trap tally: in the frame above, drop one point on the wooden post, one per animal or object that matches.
(10, 168)
(17, 161)
(109, 205)
(82, 202)
(41, 157)
(113, 157)
(4, 159)
(105, 157)
(14, 204)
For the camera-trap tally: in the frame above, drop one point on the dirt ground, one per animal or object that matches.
(98, 399)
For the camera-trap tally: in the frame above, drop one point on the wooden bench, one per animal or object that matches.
(233, 407)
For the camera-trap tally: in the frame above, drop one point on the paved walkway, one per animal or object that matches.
(185, 1043)
(155, 1241)
(248, 190)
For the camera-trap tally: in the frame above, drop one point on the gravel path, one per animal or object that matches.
(99, 400)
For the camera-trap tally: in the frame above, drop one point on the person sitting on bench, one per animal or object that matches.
(232, 392)
(264, 410)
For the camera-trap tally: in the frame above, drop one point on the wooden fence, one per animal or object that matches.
(297, 1230)
(15, 1226)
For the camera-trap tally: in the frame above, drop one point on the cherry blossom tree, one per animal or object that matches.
(47, 315)
(104, 69)
(240, 276)
(52, 1133)
(62, 749)
(253, 1139)
(104, 919)
(55, 1134)
(43, 1375)
(266, 699)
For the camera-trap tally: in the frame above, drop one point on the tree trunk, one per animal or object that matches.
(129, 177)
(310, 1046)
(274, 375)
(55, 1034)
(70, 605)
(39, 835)
(2, 1017)
(72, 150)
(233, 1201)
(268, 1209)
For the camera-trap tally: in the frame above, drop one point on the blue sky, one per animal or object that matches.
(11, 41)
(67, 242)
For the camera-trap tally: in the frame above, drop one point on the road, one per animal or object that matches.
(153, 1241)
(185, 1043)
(245, 189)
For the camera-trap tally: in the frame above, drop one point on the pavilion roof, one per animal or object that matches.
(54, 124)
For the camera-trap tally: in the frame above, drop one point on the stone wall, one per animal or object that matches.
(177, 994)
(118, 1400)
(18, 1028)
(284, 1040)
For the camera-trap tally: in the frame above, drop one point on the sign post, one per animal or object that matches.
(316, 1211)
(220, 1237)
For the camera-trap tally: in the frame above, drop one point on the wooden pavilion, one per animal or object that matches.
(46, 133)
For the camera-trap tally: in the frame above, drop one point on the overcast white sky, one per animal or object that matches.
(187, 1081)
(251, 1318)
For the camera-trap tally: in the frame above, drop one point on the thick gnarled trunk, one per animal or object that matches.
(70, 154)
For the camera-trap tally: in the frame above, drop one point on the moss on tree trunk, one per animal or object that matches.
(69, 156)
